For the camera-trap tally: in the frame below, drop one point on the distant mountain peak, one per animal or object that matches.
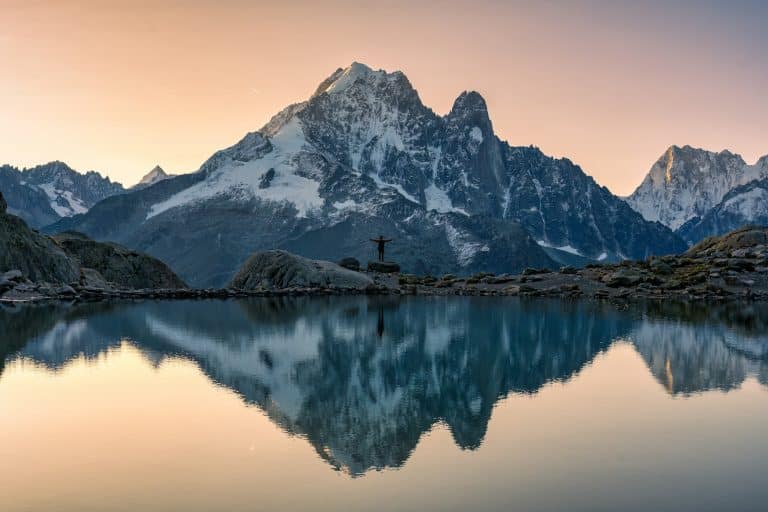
(155, 175)
(44, 193)
(686, 182)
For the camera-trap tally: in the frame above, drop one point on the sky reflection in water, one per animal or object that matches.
(419, 404)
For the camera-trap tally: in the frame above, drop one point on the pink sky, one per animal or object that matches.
(610, 85)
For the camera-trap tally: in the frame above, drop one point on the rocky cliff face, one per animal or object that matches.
(364, 156)
(686, 183)
(43, 194)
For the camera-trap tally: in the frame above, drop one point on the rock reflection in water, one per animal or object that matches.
(363, 378)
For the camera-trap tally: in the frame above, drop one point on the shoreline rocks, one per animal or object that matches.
(729, 268)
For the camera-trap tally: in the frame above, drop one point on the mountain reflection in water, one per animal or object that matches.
(363, 378)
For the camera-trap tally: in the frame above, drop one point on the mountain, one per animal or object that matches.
(687, 182)
(364, 156)
(156, 174)
(745, 204)
(42, 194)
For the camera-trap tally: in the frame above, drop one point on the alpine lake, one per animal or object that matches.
(383, 404)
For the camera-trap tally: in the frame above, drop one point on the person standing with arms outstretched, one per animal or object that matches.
(381, 242)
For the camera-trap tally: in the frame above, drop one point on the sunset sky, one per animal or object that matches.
(121, 86)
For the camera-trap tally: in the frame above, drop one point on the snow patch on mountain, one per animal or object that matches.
(438, 200)
(352, 74)
(565, 248)
(63, 202)
(399, 188)
(476, 134)
(748, 203)
(246, 180)
(464, 246)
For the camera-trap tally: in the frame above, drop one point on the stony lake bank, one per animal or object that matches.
(730, 267)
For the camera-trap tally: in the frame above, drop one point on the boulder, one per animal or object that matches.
(65, 291)
(623, 278)
(385, 267)
(350, 263)
(661, 267)
(281, 269)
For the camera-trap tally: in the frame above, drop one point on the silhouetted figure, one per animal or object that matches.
(381, 241)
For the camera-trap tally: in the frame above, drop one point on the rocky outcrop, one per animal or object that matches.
(746, 242)
(35, 266)
(350, 263)
(281, 270)
(36, 256)
(118, 265)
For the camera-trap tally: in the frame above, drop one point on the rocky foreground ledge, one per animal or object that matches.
(731, 267)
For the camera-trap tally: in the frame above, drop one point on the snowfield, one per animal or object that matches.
(243, 180)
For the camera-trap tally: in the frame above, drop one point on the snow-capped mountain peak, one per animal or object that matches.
(347, 78)
(156, 174)
(364, 155)
(686, 182)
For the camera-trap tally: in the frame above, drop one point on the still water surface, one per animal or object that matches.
(381, 404)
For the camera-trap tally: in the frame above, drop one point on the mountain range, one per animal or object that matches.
(43, 194)
(364, 156)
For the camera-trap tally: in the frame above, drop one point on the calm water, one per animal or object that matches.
(376, 404)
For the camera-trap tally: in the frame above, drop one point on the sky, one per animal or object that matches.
(119, 86)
